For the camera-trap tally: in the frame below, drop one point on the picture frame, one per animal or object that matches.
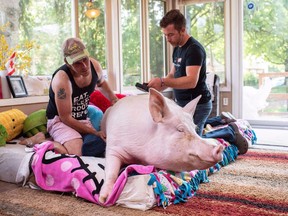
(17, 86)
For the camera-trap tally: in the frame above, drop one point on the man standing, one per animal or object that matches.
(69, 96)
(187, 76)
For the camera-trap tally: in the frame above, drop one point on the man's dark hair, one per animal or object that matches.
(173, 17)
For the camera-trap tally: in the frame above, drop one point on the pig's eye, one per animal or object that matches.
(180, 128)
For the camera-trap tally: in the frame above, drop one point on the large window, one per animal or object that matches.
(143, 46)
(131, 41)
(265, 91)
(206, 23)
(92, 30)
(142, 49)
(47, 24)
(157, 51)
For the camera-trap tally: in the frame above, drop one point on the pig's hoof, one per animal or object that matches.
(102, 199)
(103, 196)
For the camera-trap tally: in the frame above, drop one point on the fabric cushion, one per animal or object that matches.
(14, 163)
(13, 121)
(102, 102)
(36, 122)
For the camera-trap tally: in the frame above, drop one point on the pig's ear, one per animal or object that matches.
(191, 106)
(157, 105)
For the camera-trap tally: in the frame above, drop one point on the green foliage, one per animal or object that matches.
(92, 32)
(48, 23)
(266, 31)
(157, 49)
(131, 35)
(250, 79)
(280, 89)
(205, 22)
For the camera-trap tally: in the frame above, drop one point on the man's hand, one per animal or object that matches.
(155, 83)
(101, 134)
(113, 101)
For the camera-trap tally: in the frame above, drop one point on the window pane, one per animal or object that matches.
(131, 41)
(265, 92)
(92, 30)
(157, 46)
(48, 23)
(205, 22)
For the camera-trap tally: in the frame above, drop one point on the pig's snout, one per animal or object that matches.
(217, 152)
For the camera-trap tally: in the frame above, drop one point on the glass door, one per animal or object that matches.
(265, 62)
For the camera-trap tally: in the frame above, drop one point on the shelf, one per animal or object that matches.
(23, 101)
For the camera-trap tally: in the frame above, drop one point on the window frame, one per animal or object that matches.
(114, 47)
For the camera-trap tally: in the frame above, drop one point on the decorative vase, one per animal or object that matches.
(4, 85)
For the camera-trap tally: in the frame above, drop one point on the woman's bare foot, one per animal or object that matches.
(31, 141)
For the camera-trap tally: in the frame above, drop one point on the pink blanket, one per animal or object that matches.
(68, 173)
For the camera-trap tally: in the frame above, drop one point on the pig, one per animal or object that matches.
(152, 129)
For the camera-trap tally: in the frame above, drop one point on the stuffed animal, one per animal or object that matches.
(95, 115)
(3, 135)
(36, 122)
(13, 122)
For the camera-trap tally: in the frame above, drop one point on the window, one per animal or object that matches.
(131, 41)
(206, 23)
(265, 77)
(157, 48)
(47, 23)
(143, 45)
(140, 55)
(92, 31)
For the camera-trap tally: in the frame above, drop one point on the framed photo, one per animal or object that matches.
(17, 86)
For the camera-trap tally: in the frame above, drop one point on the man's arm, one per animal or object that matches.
(185, 82)
(63, 93)
(103, 85)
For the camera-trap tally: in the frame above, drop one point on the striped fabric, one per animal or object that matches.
(255, 184)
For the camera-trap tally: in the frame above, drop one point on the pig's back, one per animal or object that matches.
(126, 114)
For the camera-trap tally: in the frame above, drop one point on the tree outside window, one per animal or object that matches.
(48, 24)
(205, 22)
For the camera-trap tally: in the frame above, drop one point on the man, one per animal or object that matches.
(188, 72)
(69, 96)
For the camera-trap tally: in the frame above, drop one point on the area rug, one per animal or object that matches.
(255, 184)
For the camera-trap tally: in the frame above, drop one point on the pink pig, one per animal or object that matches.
(154, 130)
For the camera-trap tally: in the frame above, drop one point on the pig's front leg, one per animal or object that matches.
(112, 169)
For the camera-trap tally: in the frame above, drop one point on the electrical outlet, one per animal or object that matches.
(225, 101)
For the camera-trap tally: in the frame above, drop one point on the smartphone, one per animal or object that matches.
(142, 87)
